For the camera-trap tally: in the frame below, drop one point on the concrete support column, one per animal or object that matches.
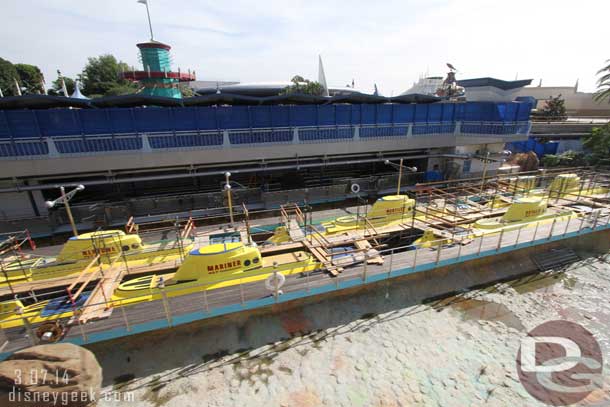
(458, 128)
(356, 133)
(52, 147)
(226, 141)
(146, 143)
(410, 130)
(295, 135)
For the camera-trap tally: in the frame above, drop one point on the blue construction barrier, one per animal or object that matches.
(531, 144)
(95, 130)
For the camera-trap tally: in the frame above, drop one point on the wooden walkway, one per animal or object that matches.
(98, 304)
(61, 282)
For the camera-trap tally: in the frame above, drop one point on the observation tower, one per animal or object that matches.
(157, 76)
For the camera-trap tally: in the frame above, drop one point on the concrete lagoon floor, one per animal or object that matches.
(380, 348)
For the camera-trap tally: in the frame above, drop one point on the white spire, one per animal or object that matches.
(76, 94)
(17, 87)
(322, 76)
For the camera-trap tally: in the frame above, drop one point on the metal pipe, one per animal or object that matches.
(484, 173)
(68, 210)
(438, 253)
(399, 177)
(205, 301)
(414, 258)
(535, 231)
(229, 200)
(500, 240)
(552, 227)
(125, 318)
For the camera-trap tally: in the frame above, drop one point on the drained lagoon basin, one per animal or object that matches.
(378, 348)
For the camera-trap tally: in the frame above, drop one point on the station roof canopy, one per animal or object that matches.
(415, 98)
(497, 83)
(135, 100)
(358, 98)
(220, 99)
(294, 99)
(41, 102)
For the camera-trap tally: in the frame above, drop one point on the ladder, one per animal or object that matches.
(293, 218)
(99, 304)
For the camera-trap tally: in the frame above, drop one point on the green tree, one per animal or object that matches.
(598, 142)
(554, 108)
(8, 74)
(56, 89)
(566, 159)
(31, 78)
(603, 84)
(303, 86)
(101, 77)
(186, 91)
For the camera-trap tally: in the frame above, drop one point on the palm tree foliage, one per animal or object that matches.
(603, 84)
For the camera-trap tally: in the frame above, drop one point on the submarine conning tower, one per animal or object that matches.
(157, 77)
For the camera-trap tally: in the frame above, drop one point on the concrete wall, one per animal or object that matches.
(78, 164)
(18, 205)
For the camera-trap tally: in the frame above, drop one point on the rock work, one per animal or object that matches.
(50, 375)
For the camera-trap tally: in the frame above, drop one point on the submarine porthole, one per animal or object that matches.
(255, 260)
(247, 263)
(135, 246)
(125, 248)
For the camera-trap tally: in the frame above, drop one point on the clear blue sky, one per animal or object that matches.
(388, 42)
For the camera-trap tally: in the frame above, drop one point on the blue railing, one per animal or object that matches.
(129, 142)
(186, 139)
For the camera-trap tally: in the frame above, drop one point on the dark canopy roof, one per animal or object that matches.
(41, 102)
(135, 100)
(498, 83)
(415, 98)
(357, 98)
(293, 99)
(220, 99)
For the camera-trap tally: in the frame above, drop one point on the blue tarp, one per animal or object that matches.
(63, 304)
(83, 122)
(541, 149)
(432, 176)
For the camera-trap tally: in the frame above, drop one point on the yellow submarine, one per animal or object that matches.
(386, 211)
(210, 267)
(226, 264)
(79, 251)
(525, 211)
